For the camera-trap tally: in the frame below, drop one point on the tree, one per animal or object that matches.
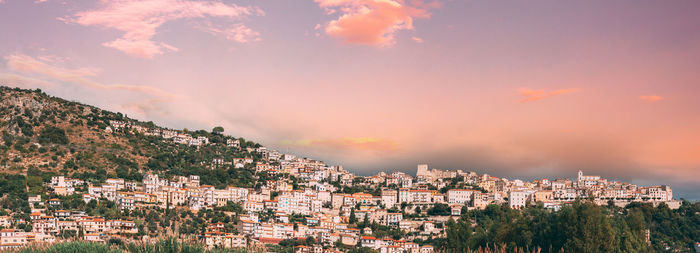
(365, 221)
(353, 219)
(458, 235)
(217, 130)
(310, 240)
(440, 209)
(587, 228)
(55, 135)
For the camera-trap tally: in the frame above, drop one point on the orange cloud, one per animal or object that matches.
(417, 39)
(373, 22)
(651, 98)
(367, 144)
(139, 20)
(534, 95)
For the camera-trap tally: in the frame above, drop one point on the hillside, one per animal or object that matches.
(56, 136)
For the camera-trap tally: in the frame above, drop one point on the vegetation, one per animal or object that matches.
(68, 138)
(169, 245)
(70, 247)
(579, 227)
(53, 135)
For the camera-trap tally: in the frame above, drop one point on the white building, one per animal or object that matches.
(516, 199)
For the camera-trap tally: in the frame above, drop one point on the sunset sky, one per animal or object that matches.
(521, 89)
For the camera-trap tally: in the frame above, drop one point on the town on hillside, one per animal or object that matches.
(296, 199)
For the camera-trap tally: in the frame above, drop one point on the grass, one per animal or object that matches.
(170, 245)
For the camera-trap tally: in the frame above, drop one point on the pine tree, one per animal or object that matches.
(353, 219)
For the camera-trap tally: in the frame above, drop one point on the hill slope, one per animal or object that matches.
(56, 136)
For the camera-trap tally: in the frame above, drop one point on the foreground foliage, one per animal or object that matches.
(170, 245)
(579, 227)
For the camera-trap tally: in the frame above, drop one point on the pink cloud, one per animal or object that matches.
(140, 19)
(417, 39)
(373, 22)
(238, 32)
(23, 81)
(651, 98)
(81, 76)
(534, 95)
(27, 64)
(148, 107)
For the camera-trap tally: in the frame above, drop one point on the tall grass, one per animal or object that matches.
(69, 247)
(497, 249)
(170, 245)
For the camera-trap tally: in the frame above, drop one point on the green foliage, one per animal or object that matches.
(440, 209)
(54, 135)
(25, 128)
(363, 250)
(173, 245)
(353, 218)
(579, 227)
(169, 245)
(71, 247)
(13, 188)
(675, 229)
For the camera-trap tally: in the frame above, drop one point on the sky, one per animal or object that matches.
(515, 89)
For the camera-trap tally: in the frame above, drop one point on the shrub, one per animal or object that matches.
(55, 135)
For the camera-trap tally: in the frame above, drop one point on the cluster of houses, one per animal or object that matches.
(48, 224)
(175, 136)
(270, 213)
(328, 211)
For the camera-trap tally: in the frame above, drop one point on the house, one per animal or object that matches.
(14, 238)
(62, 214)
(302, 249)
(5, 221)
(223, 240)
(348, 239)
(393, 219)
(459, 196)
(456, 210)
(516, 199)
(32, 199)
(54, 202)
(369, 242)
(93, 237)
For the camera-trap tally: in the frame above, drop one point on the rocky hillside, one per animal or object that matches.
(55, 136)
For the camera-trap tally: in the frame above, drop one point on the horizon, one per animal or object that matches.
(515, 90)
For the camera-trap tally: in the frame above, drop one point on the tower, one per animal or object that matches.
(422, 170)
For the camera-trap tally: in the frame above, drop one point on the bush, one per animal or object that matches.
(55, 135)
